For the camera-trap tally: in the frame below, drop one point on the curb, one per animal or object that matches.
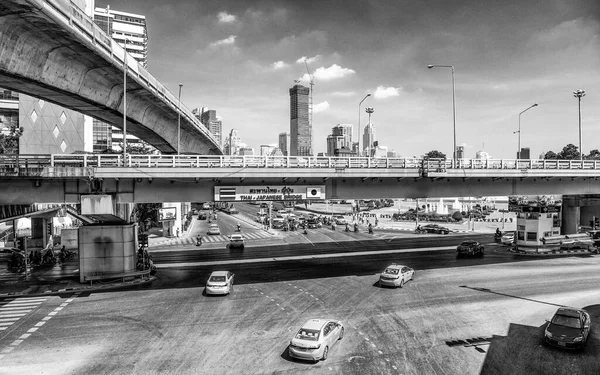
(553, 252)
(81, 288)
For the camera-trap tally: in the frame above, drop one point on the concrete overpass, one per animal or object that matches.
(51, 49)
(163, 178)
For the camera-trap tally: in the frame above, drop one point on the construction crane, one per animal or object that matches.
(310, 97)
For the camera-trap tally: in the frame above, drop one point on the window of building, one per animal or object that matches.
(532, 236)
(520, 235)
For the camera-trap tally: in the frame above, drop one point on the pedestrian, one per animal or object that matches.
(376, 221)
(177, 232)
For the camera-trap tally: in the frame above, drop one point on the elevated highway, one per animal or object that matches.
(50, 49)
(163, 178)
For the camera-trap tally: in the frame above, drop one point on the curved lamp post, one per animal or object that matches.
(519, 131)
(358, 132)
(579, 94)
(179, 119)
(453, 105)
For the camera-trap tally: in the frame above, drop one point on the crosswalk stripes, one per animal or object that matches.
(11, 310)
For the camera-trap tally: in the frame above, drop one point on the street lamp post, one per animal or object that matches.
(579, 94)
(358, 130)
(519, 131)
(179, 119)
(453, 105)
(125, 102)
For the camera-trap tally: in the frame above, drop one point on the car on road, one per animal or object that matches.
(340, 220)
(236, 240)
(469, 248)
(315, 338)
(214, 229)
(508, 238)
(313, 223)
(6, 253)
(206, 206)
(395, 275)
(434, 228)
(219, 282)
(202, 216)
(569, 328)
(278, 223)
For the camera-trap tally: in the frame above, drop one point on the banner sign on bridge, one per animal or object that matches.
(269, 193)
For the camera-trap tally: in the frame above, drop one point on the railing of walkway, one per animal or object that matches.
(84, 164)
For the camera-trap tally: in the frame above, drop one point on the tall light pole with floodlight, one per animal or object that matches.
(179, 119)
(358, 132)
(125, 102)
(453, 104)
(519, 131)
(579, 94)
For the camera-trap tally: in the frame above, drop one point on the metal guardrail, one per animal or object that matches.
(66, 165)
(78, 21)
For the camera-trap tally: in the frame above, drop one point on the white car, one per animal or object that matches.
(315, 338)
(213, 229)
(236, 240)
(396, 276)
(508, 238)
(340, 220)
(219, 282)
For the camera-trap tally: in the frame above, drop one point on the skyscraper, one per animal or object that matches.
(233, 142)
(284, 143)
(210, 120)
(369, 136)
(300, 128)
(341, 136)
(121, 27)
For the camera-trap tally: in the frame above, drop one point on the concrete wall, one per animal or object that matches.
(107, 249)
(69, 238)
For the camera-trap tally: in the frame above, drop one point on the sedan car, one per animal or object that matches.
(219, 282)
(202, 216)
(315, 338)
(236, 240)
(569, 328)
(434, 228)
(395, 275)
(508, 238)
(214, 229)
(340, 220)
(469, 248)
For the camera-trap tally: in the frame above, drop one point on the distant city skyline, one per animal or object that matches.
(240, 58)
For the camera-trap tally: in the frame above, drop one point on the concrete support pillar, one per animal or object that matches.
(124, 210)
(39, 232)
(570, 219)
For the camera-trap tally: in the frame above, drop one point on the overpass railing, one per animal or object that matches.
(78, 20)
(84, 164)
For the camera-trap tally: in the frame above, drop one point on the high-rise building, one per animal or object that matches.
(524, 154)
(341, 136)
(267, 150)
(233, 142)
(368, 137)
(210, 120)
(300, 128)
(460, 152)
(120, 26)
(284, 143)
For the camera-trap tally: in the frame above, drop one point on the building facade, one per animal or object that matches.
(341, 136)
(300, 128)
(368, 138)
(284, 143)
(208, 117)
(233, 142)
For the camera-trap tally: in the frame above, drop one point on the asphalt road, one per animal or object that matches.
(499, 303)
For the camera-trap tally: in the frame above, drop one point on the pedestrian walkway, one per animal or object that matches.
(257, 236)
(12, 309)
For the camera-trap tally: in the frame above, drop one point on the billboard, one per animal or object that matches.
(269, 193)
(534, 203)
(167, 213)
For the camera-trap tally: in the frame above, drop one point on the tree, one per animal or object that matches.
(435, 154)
(550, 155)
(457, 216)
(9, 143)
(593, 155)
(146, 214)
(569, 152)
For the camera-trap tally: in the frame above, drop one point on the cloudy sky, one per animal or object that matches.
(241, 57)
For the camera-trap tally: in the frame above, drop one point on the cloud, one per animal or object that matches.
(327, 74)
(225, 17)
(279, 65)
(321, 107)
(308, 59)
(344, 94)
(229, 40)
(383, 92)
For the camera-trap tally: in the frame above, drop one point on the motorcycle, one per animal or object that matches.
(355, 228)
(347, 228)
(497, 237)
(198, 240)
(239, 228)
(370, 230)
(332, 226)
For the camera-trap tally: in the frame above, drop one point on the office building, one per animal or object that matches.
(460, 152)
(233, 142)
(300, 128)
(245, 151)
(368, 137)
(341, 136)
(120, 26)
(210, 120)
(284, 143)
(524, 154)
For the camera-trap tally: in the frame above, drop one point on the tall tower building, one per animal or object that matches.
(369, 133)
(284, 143)
(210, 120)
(232, 143)
(120, 26)
(300, 129)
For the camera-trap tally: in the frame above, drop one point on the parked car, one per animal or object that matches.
(6, 253)
(314, 339)
(469, 248)
(219, 282)
(434, 228)
(236, 240)
(508, 238)
(340, 220)
(569, 328)
(214, 229)
(396, 275)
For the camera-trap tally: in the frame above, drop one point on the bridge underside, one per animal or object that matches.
(198, 189)
(40, 58)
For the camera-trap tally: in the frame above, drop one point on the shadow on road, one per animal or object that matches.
(523, 351)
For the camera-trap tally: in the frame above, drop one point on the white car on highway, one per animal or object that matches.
(314, 339)
(219, 282)
(508, 238)
(395, 275)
